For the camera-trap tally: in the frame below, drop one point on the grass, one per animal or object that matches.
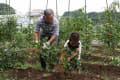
(26, 65)
(4, 76)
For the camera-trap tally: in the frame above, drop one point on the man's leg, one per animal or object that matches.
(42, 60)
(56, 41)
(43, 63)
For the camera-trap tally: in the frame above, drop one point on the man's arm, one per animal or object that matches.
(56, 32)
(36, 30)
(52, 38)
(36, 36)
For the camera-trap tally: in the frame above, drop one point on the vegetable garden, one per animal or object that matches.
(19, 54)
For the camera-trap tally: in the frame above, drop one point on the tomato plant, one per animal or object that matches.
(110, 29)
(8, 28)
(51, 56)
(78, 24)
(9, 56)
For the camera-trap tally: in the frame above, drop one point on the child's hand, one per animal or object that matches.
(69, 59)
(61, 60)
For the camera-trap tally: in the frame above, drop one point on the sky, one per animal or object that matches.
(92, 5)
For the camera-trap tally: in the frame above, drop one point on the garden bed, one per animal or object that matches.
(32, 74)
(89, 57)
(101, 69)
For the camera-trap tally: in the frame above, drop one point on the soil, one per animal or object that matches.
(89, 57)
(100, 50)
(35, 50)
(101, 69)
(98, 47)
(55, 76)
(94, 69)
(31, 74)
(31, 60)
(97, 51)
(32, 50)
(59, 68)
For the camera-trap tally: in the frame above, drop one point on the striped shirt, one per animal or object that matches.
(45, 28)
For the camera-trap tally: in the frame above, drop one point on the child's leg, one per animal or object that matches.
(78, 71)
(71, 71)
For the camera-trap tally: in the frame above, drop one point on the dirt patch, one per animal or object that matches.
(98, 47)
(59, 71)
(35, 50)
(101, 69)
(56, 76)
(27, 74)
(97, 51)
(59, 68)
(32, 50)
(31, 74)
(101, 50)
(31, 60)
(89, 57)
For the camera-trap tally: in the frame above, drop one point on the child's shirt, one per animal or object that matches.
(66, 45)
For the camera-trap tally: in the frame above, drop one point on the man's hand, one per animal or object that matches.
(69, 59)
(45, 45)
(36, 37)
(36, 41)
(52, 39)
(60, 60)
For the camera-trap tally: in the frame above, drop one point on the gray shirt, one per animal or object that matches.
(45, 28)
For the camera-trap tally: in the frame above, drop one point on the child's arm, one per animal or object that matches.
(79, 49)
(64, 52)
(74, 55)
(62, 55)
(78, 52)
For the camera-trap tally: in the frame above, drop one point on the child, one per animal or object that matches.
(72, 52)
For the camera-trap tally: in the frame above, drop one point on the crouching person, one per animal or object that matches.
(48, 26)
(71, 53)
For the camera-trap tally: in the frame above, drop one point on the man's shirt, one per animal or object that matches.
(45, 28)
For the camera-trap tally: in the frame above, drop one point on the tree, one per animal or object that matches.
(6, 9)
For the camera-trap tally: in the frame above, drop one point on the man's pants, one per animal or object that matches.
(43, 63)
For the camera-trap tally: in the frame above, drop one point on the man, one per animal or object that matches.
(48, 26)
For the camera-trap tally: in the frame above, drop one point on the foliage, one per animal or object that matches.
(14, 40)
(51, 56)
(4, 76)
(116, 62)
(110, 32)
(96, 17)
(9, 56)
(6, 9)
(8, 28)
(73, 64)
(80, 24)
